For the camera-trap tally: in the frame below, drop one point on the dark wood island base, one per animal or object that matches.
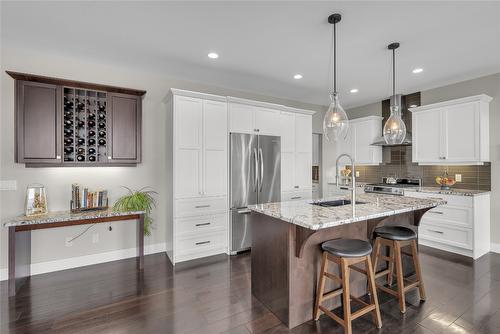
(286, 260)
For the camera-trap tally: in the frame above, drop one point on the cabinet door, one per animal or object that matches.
(287, 171)
(241, 118)
(427, 136)
(267, 121)
(315, 149)
(303, 170)
(303, 133)
(461, 125)
(363, 138)
(214, 148)
(124, 128)
(188, 127)
(287, 123)
(38, 118)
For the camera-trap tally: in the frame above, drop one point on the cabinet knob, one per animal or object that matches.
(109, 157)
(58, 157)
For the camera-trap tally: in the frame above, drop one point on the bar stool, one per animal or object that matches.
(397, 237)
(347, 253)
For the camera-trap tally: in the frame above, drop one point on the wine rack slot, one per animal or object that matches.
(85, 126)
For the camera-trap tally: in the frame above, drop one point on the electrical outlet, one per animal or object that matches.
(357, 173)
(68, 242)
(95, 238)
(458, 177)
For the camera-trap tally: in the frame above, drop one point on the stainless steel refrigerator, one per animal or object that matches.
(255, 177)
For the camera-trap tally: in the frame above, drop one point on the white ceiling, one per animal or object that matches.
(263, 44)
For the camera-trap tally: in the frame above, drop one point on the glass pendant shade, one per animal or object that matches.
(335, 123)
(394, 128)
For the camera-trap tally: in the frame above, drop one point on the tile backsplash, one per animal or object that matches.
(397, 162)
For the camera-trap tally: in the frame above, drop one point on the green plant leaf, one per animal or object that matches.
(138, 200)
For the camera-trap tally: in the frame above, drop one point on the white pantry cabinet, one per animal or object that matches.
(454, 132)
(296, 154)
(362, 133)
(247, 116)
(461, 226)
(199, 126)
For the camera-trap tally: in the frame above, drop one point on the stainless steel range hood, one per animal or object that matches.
(380, 141)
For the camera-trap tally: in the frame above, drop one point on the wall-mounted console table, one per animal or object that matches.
(20, 237)
(66, 123)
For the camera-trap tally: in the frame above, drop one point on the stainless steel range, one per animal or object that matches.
(393, 186)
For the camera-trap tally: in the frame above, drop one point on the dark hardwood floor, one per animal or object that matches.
(213, 296)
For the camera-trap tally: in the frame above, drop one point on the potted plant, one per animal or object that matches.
(138, 200)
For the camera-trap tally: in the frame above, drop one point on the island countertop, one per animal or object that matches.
(315, 217)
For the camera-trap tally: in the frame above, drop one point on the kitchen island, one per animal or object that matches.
(286, 238)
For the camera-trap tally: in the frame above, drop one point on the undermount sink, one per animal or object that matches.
(339, 202)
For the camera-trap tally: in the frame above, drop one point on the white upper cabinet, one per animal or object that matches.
(453, 132)
(358, 141)
(315, 149)
(200, 147)
(246, 116)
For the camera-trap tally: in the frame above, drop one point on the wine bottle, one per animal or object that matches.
(68, 141)
(81, 123)
(68, 103)
(80, 158)
(68, 132)
(68, 149)
(80, 150)
(91, 133)
(102, 141)
(102, 125)
(92, 158)
(102, 107)
(102, 134)
(91, 117)
(80, 141)
(102, 116)
(68, 123)
(79, 104)
(91, 124)
(91, 150)
(91, 141)
(68, 113)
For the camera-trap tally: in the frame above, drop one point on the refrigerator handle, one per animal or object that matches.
(256, 166)
(261, 158)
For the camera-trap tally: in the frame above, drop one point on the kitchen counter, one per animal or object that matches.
(452, 191)
(314, 217)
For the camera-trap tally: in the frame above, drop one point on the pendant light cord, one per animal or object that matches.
(393, 72)
(334, 75)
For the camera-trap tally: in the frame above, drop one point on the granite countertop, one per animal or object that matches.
(315, 217)
(452, 191)
(65, 216)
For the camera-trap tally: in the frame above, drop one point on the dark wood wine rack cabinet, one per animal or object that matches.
(70, 123)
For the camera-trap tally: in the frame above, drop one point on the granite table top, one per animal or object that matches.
(452, 191)
(314, 217)
(66, 216)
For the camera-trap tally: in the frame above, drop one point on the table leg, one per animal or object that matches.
(19, 259)
(140, 242)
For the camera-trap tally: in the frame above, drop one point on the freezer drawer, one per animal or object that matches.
(241, 232)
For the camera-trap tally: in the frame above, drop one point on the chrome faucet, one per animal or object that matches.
(353, 179)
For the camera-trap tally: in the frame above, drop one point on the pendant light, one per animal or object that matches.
(335, 123)
(394, 128)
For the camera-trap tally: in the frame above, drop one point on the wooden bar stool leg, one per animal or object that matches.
(346, 296)
(321, 286)
(390, 266)
(418, 270)
(399, 276)
(376, 250)
(373, 291)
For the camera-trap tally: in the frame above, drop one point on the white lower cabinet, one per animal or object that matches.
(461, 226)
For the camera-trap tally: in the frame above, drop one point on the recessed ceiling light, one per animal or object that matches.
(213, 55)
(354, 90)
(418, 70)
(297, 76)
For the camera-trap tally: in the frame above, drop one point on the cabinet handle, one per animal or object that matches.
(437, 212)
(202, 206)
(203, 224)
(109, 157)
(256, 130)
(296, 187)
(435, 231)
(202, 243)
(58, 157)
(296, 197)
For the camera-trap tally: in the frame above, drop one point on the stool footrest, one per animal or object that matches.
(333, 277)
(362, 311)
(359, 270)
(332, 294)
(382, 273)
(388, 290)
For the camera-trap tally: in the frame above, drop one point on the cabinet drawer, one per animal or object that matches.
(458, 237)
(200, 206)
(448, 214)
(296, 195)
(453, 200)
(201, 242)
(204, 224)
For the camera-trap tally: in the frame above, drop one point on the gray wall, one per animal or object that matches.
(49, 245)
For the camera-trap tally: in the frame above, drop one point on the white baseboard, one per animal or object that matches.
(86, 260)
(495, 248)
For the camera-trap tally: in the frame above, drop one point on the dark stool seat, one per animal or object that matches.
(347, 247)
(398, 233)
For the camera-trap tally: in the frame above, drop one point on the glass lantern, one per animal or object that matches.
(36, 200)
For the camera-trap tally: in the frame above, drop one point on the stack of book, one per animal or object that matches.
(83, 199)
